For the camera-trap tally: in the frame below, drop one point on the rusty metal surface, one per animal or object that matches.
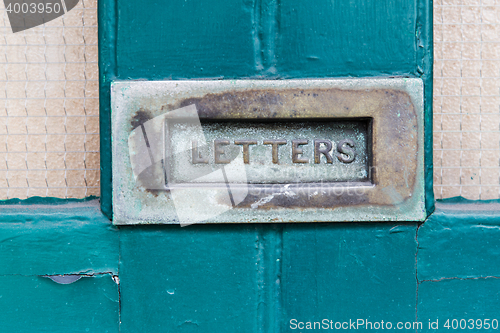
(390, 152)
(255, 139)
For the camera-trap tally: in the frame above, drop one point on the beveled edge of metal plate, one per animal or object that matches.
(394, 104)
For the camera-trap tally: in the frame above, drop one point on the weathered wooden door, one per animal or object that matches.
(255, 277)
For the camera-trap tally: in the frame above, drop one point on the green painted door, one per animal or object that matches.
(253, 277)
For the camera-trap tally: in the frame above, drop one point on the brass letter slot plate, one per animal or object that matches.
(189, 152)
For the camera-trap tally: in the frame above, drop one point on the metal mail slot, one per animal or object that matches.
(273, 152)
(267, 151)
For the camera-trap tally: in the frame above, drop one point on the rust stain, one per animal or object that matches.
(140, 117)
(394, 152)
(393, 148)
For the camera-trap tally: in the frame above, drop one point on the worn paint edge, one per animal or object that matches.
(80, 211)
(425, 58)
(107, 17)
(44, 201)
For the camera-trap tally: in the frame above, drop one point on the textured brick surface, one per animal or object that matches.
(466, 99)
(49, 133)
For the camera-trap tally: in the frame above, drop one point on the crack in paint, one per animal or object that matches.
(264, 16)
(81, 274)
(256, 35)
(188, 322)
(269, 246)
(72, 278)
(486, 226)
(459, 278)
(416, 271)
(119, 286)
(260, 278)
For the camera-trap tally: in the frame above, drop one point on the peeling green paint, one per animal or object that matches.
(37, 304)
